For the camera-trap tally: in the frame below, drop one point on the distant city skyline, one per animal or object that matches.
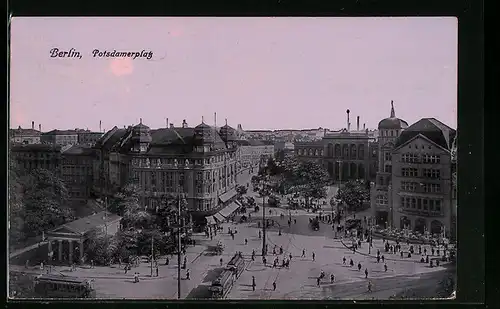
(262, 73)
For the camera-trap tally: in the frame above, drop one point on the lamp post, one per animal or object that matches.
(264, 192)
(179, 246)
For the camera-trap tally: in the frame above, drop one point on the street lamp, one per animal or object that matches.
(264, 193)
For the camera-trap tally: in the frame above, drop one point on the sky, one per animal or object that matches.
(262, 73)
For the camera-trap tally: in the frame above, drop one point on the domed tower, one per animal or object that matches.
(388, 131)
(228, 135)
(206, 138)
(141, 137)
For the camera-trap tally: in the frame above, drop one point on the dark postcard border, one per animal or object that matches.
(471, 258)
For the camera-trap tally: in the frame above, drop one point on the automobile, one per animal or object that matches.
(352, 224)
(274, 201)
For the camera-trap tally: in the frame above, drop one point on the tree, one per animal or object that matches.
(241, 190)
(37, 202)
(353, 194)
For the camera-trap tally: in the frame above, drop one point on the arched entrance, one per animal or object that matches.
(345, 171)
(330, 169)
(361, 171)
(405, 223)
(354, 171)
(330, 150)
(436, 227)
(420, 225)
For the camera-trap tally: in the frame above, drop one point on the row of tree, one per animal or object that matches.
(141, 227)
(37, 203)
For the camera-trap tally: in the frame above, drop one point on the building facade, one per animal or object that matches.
(252, 151)
(33, 156)
(60, 137)
(25, 136)
(389, 129)
(199, 163)
(77, 171)
(87, 137)
(345, 155)
(420, 192)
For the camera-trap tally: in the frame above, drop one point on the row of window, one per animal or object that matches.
(393, 133)
(204, 205)
(347, 151)
(147, 162)
(418, 203)
(382, 200)
(423, 158)
(420, 187)
(430, 173)
(310, 152)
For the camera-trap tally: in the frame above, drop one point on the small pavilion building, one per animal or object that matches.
(71, 237)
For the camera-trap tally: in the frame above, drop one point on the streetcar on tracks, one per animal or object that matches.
(61, 286)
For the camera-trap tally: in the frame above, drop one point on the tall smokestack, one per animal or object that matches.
(167, 123)
(364, 126)
(100, 125)
(40, 127)
(357, 126)
(32, 125)
(348, 123)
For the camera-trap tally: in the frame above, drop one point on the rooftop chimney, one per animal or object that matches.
(348, 123)
(166, 123)
(357, 126)
(184, 123)
(32, 125)
(40, 127)
(100, 125)
(364, 126)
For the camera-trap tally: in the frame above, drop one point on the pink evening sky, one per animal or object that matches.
(263, 73)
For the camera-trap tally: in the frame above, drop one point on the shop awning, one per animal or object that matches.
(227, 196)
(219, 217)
(210, 220)
(228, 210)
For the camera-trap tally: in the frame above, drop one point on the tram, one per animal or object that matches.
(60, 286)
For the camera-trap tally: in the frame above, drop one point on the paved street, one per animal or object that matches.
(299, 281)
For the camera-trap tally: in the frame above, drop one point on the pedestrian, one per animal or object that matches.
(343, 260)
(290, 256)
(378, 258)
(437, 251)
(332, 278)
(314, 256)
(303, 253)
(281, 249)
(253, 283)
(366, 273)
(167, 260)
(26, 265)
(264, 260)
(378, 252)
(425, 251)
(126, 269)
(432, 251)
(274, 285)
(369, 286)
(246, 241)
(41, 265)
(156, 271)
(437, 263)
(295, 221)
(279, 232)
(401, 254)
(385, 267)
(351, 262)
(260, 235)
(136, 277)
(419, 249)
(318, 280)
(188, 277)
(232, 236)
(359, 266)
(383, 259)
(91, 263)
(409, 254)
(220, 261)
(274, 251)
(427, 259)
